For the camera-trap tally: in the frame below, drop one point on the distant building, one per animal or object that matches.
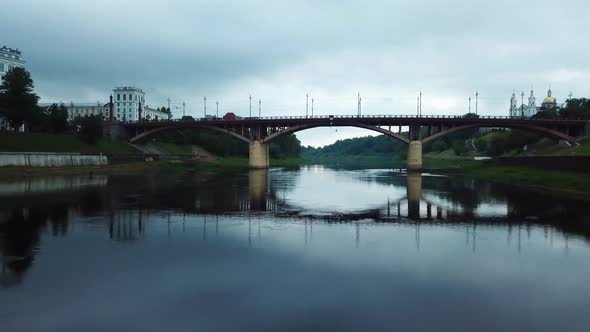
(128, 101)
(530, 109)
(83, 109)
(152, 114)
(10, 58)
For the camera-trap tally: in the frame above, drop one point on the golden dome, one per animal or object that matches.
(549, 100)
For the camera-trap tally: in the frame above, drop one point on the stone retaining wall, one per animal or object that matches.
(46, 159)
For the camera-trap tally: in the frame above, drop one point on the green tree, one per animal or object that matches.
(439, 145)
(481, 145)
(471, 116)
(497, 146)
(459, 147)
(91, 128)
(18, 102)
(57, 119)
(546, 114)
(576, 108)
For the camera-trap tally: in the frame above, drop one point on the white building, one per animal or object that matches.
(82, 109)
(127, 103)
(10, 58)
(76, 110)
(152, 114)
(530, 109)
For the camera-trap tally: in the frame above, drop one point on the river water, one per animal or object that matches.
(313, 249)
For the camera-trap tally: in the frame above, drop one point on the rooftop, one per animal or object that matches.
(10, 50)
(12, 54)
(128, 88)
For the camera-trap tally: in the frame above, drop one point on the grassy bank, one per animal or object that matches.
(573, 182)
(40, 142)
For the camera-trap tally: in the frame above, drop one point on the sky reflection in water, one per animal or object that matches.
(312, 249)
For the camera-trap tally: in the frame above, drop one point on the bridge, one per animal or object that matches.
(260, 132)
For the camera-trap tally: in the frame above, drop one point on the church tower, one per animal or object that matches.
(549, 102)
(532, 100)
(514, 106)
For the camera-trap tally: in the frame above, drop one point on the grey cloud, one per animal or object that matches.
(79, 50)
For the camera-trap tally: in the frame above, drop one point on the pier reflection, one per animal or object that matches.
(123, 208)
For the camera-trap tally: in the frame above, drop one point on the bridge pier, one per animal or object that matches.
(259, 155)
(414, 194)
(414, 162)
(258, 188)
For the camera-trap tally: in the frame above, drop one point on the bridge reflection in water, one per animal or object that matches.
(412, 207)
(126, 208)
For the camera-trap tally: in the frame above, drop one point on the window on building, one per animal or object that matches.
(124, 97)
(1, 67)
(130, 97)
(118, 98)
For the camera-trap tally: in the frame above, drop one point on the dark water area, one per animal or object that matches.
(313, 249)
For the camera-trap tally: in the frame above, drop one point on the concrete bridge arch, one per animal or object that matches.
(260, 132)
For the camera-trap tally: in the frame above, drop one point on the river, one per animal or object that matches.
(312, 249)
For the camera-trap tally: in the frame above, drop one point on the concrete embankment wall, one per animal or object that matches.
(562, 163)
(41, 159)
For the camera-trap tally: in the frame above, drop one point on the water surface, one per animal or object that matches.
(313, 249)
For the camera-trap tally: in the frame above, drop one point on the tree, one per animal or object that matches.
(576, 109)
(57, 119)
(439, 146)
(497, 146)
(480, 144)
(91, 128)
(546, 114)
(18, 102)
(459, 147)
(471, 116)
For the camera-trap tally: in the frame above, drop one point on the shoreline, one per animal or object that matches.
(549, 181)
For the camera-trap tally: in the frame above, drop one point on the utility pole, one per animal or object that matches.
(183, 109)
(476, 97)
(420, 104)
(469, 105)
(250, 105)
(417, 106)
(169, 110)
(306, 104)
(259, 108)
(205, 105)
(312, 107)
(217, 108)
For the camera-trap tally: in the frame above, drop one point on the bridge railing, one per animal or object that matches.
(387, 116)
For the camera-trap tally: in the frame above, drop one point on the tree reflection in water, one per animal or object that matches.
(123, 205)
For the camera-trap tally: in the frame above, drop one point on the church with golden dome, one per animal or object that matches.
(530, 109)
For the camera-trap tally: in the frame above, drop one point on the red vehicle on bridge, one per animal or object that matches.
(230, 116)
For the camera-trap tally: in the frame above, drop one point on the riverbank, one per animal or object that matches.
(542, 179)
(59, 143)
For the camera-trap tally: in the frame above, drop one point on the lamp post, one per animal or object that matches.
(420, 103)
(476, 99)
(306, 104)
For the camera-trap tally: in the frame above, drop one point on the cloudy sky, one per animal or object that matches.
(278, 51)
